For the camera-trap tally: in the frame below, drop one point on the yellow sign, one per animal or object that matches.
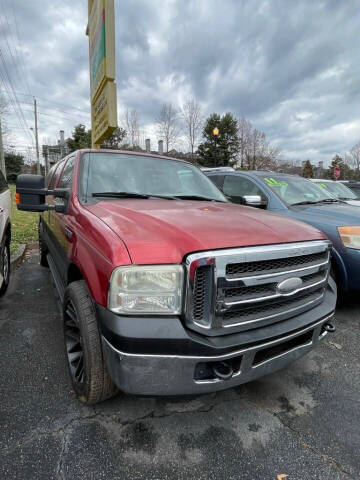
(104, 114)
(101, 32)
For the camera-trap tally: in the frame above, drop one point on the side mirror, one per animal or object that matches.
(31, 194)
(253, 201)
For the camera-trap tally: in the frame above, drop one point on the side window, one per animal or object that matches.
(67, 174)
(55, 177)
(49, 175)
(218, 180)
(3, 183)
(237, 186)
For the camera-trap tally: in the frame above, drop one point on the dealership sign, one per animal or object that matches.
(101, 32)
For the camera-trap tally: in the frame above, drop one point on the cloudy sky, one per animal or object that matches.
(292, 68)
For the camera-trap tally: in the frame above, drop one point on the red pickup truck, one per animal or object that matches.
(167, 288)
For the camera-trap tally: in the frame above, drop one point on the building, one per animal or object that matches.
(54, 153)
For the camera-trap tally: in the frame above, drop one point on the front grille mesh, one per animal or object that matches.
(272, 307)
(275, 265)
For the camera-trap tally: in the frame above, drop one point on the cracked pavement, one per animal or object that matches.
(302, 421)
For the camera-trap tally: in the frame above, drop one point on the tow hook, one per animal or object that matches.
(329, 327)
(222, 370)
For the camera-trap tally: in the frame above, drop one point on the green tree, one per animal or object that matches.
(13, 163)
(345, 170)
(308, 170)
(81, 138)
(116, 139)
(220, 150)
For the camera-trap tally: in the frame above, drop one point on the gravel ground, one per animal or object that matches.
(302, 422)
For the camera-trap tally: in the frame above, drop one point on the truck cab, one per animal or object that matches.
(167, 288)
(5, 234)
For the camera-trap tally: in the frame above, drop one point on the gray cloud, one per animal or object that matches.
(292, 68)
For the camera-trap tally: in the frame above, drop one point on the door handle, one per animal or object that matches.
(68, 233)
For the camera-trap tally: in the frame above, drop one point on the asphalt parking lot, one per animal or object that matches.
(303, 422)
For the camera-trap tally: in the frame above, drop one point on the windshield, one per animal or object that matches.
(338, 190)
(137, 174)
(297, 190)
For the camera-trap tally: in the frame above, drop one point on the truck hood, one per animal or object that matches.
(335, 214)
(164, 231)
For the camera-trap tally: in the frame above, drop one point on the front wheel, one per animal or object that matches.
(91, 380)
(5, 266)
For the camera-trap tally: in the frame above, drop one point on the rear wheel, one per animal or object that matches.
(91, 380)
(5, 266)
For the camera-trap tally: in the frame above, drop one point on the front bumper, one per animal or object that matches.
(143, 374)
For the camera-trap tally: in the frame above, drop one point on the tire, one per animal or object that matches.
(43, 250)
(90, 378)
(5, 266)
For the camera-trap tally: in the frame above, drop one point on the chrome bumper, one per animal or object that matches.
(141, 374)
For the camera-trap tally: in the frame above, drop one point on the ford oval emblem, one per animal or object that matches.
(289, 285)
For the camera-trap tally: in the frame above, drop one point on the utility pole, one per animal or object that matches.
(38, 171)
(2, 158)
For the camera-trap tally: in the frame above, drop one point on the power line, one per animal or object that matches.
(72, 107)
(20, 47)
(12, 96)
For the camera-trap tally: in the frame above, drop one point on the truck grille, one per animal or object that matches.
(239, 289)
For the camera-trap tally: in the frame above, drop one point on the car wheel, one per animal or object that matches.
(91, 380)
(5, 266)
(43, 251)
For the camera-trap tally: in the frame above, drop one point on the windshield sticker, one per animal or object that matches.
(272, 182)
(323, 185)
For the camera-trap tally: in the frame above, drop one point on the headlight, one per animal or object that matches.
(150, 289)
(350, 236)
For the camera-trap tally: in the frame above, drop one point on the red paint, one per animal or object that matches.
(119, 232)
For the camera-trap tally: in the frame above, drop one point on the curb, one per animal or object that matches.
(17, 257)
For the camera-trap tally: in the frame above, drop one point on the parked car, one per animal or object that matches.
(167, 288)
(5, 234)
(338, 190)
(301, 199)
(353, 186)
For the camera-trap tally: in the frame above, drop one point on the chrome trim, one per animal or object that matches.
(291, 310)
(277, 295)
(257, 278)
(212, 322)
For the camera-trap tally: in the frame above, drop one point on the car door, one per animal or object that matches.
(51, 221)
(235, 187)
(59, 220)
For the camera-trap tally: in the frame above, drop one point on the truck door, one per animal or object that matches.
(59, 221)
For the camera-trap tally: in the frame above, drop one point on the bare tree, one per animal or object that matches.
(191, 113)
(167, 125)
(255, 152)
(131, 123)
(355, 157)
(244, 134)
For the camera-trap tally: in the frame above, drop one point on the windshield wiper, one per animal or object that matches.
(120, 195)
(197, 197)
(130, 195)
(305, 202)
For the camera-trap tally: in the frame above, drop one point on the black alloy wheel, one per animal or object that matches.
(74, 346)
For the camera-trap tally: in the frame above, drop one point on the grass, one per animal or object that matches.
(24, 225)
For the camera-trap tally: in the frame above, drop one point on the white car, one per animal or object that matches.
(5, 234)
(338, 190)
